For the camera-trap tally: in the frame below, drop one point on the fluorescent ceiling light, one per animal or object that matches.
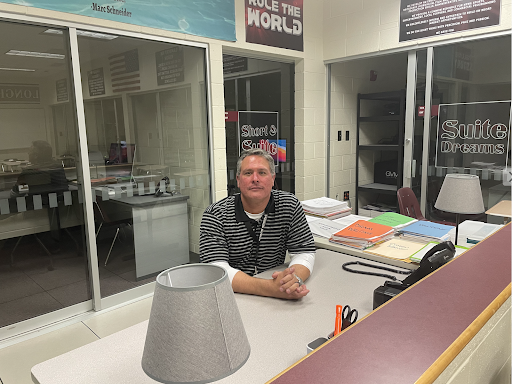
(95, 35)
(17, 69)
(42, 55)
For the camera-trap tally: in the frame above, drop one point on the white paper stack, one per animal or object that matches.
(326, 207)
(472, 232)
(326, 228)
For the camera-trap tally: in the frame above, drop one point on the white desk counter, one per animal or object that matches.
(278, 332)
(160, 229)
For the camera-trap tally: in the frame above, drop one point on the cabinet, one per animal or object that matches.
(379, 148)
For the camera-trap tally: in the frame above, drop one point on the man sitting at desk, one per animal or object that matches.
(250, 233)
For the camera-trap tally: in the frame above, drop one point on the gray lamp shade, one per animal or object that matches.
(195, 332)
(460, 193)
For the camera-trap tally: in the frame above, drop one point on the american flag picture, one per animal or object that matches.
(124, 71)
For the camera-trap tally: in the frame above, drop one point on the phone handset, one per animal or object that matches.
(439, 255)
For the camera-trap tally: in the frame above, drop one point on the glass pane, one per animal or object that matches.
(265, 86)
(148, 140)
(367, 120)
(43, 266)
(464, 73)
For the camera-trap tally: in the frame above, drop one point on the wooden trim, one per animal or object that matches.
(442, 362)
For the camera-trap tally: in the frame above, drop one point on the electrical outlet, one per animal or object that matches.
(346, 195)
(339, 135)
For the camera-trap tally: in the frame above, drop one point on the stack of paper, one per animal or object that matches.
(362, 234)
(472, 232)
(416, 257)
(426, 231)
(393, 219)
(325, 227)
(326, 207)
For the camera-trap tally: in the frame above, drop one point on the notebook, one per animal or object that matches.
(426, 231)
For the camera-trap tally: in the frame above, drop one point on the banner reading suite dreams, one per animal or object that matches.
(276, 23)
(215, 19)
(473, 135)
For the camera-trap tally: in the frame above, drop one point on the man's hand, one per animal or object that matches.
(288, 283)
(283, 284)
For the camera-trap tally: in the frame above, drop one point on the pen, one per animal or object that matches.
(337, 324)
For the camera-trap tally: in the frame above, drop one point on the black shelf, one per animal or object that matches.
(386, 189)
(379, 147)
(396, 121)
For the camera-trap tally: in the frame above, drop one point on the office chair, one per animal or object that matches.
(408, 203)
(409, 206)
(101, 216)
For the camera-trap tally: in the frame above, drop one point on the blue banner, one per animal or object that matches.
(208, 18)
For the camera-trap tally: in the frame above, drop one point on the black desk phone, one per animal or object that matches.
(439, 255)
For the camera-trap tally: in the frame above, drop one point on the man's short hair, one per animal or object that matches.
(42, 151)
(256, 152)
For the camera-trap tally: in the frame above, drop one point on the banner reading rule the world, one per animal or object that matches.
(209, 18)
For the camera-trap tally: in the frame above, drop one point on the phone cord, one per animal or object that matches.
(345, 267)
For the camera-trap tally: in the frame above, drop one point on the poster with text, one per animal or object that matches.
(259, 130)
(473, 135)
(215, 19)
(276, 23)
(427, 18)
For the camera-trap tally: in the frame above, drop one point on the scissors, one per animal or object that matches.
(348, 316)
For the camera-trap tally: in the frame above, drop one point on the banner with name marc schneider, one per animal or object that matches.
(275, 23)
(214, 19)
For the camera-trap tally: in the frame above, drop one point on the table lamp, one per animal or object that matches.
(460, 194)
(195, 332)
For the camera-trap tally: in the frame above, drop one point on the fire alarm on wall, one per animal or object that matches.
(373, 75)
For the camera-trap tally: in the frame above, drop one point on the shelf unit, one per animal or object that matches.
(379, 116)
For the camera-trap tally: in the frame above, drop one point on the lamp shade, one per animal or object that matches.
(195, 332)
(460, 193)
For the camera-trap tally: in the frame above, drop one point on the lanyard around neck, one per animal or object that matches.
(252, 231)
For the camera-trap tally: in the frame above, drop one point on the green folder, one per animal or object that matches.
(393, 219)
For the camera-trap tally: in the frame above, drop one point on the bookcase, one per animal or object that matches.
(379, 147)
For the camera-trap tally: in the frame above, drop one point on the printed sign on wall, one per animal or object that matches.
(233, 64)
(61, 87)
(427, 18)
(19, 93)
(259, 130)
(276, 23)
(96, 81)
(473, 135)
(215, 19)
(170, 66)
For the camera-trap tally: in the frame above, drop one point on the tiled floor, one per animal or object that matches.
(17, 360)
(29, 289)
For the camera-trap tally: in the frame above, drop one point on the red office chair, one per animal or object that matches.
(408, 204)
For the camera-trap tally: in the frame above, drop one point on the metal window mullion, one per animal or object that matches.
(410, 105)
(209, 119)
(90, 232)
(160, 127)
(248, 93)
(328, 132)
(426, 128)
